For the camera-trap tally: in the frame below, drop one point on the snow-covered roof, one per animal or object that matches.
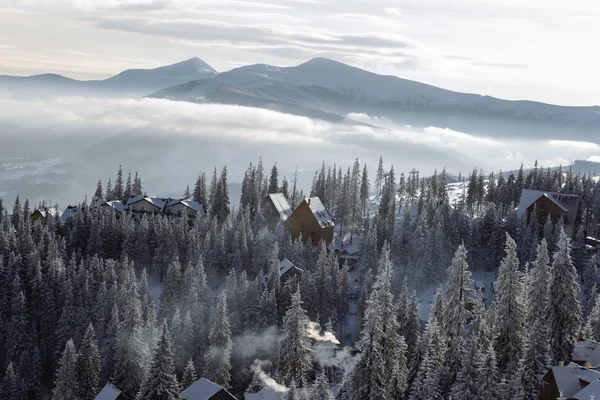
(116, 204)
(265, 393)
(568, 203)
(52, 211)
(281, 205)
(108, 392)
(134, 199)
(202, 389)
(286, 265)
(593, 389)
(320, 212)
(572, 378)
(69, 212)
(189, 203)
(587, 351)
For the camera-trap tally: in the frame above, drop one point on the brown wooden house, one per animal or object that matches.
(311, 220)
(275, 208)
(572, 381)
(555, 205)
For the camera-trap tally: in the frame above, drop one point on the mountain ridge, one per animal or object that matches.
(331, 90)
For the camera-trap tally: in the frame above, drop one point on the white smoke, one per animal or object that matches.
(266, 380)
(256, 344)
(315, 334)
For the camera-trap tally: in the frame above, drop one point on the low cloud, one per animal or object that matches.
(574, 145)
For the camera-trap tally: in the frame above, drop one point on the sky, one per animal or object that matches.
(543, 50)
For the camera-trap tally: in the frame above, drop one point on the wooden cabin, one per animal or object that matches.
(555, 205)
(311, 220)
(572, 381)
(40, 214)
(275, 208)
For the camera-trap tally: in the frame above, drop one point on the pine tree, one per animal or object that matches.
(118, 190)
(535, 363)
(592, 328)
(99, 193)
(128, 188)
(564, 309)
(380, 345)
(295, 353)
(189, 375)
(487, 371)
(320, 389)
(458, 293)
(66, 386)
(88, 365)
(365, 188)
(465, 387)
(217, 360)
(161, 383)
(273, 181)
(398, 381)
(380, 176)
(10, 384)
(511, 313)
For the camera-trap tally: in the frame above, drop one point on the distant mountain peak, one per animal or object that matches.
(193, 62)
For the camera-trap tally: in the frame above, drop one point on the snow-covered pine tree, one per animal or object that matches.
(88, 365)
(380, 344)
(535, 362)
(320, 389)
(66, 386)
(592, 328)
(217, 366)
(538, 296)
(427, 384)
(398, 380)
(458, 294)
(564, 309)
(161, 382)
(465, 386)
(487, 374)
(511, 313)
(189, 375)
(295, 352)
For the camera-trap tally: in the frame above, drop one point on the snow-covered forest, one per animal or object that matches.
(151, 304)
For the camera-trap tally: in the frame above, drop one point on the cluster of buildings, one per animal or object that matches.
(202, 389)
(136, 205)
(578, 380)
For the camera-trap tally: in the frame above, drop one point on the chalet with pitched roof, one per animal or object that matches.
(203, 389)
(40, 214)
(311, 220)
(555, 205)
(569, 382)
(187, 207)
(276, 209)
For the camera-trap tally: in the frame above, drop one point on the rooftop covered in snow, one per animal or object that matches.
(108, 392)
(203, 389)
(320, 212)
(265, 393)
